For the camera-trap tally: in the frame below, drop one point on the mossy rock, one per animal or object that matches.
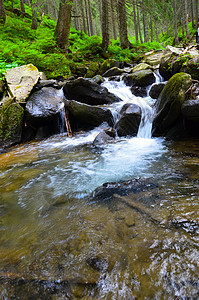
(170, 102)
(140, 78)
(170, 62)
(108, 64)
(191, 66)
(92, 69)
(11, 122)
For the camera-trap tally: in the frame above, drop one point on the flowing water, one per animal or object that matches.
(58, 241)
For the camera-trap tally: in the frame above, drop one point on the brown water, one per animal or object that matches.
(58, 242)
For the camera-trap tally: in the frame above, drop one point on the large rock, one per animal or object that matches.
(141, 67)
(169, 63)
(102, 138)
(190, 112)
(190, 65)
(155, 90)
(108, 64)
(21, 81)
(89, 92)
(140, 78)
(129, 122)
(153, 59)
(138, 91)
(11, 123)
(43, 105)
(113, 72)
(170, 103)
(87, 114)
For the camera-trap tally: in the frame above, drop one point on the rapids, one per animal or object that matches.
(58, 242)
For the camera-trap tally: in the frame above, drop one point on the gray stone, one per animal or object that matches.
(140, 78)
(102, 138)
(169, 65)
(155, 90)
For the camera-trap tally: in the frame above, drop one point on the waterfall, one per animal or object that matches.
(61, 119)
(146, 104)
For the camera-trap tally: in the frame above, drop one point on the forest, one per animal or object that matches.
(82, 33)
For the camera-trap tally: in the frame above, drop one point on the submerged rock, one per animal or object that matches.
(170, 103)
(102, 138)
(107, 190)
(129, 121)
(88, 92)
(21, 81)
(139, 91)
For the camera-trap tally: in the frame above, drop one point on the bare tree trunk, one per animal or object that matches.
(135, 21)
(122, 21)
(100, 11)
(145, 25)
(62, 30)
(196, 13)
(113, 13)
(22, 6)
(2, 13)
(157, 35)
(83, 16)
(90, 18)
(175, 22)
(105, 24)
(34, 18)
(87, 18)
(138, 20)
(151, 23)
(192, 14)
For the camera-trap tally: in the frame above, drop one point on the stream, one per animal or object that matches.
(58, 242)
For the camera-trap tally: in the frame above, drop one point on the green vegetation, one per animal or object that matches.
(22, 45)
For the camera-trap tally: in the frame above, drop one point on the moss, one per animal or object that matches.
(11, 120)
(107, 64)
(92, 69)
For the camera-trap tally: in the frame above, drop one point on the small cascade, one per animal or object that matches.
(120, 89)
(61, 120)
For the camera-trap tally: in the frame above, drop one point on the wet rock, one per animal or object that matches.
(111, 132)
(129, 121)
(191, 65)
(43, 105)
(98, 263)
(113, 72)
(170, 103)
(190, 226)
(190, 112)
(86, 91)
(169, 64)
(47, 83)
(102, 138)
(107, 190)
(140, 78)
(114, 78)
(139, 91)
(11, 122)
(21, 81)
(155, 90)
(88, 114)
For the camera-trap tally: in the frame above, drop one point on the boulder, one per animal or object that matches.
(140, 78)
(190, 65)
(92, 70)
(87, 114)
(89, 92)
(102, 138)
(11, 123)
(97, 79)
(153, 59)
(190, 110)
(43, 105)
(108, 64)
(129, 121)
(170, 102)
(139, 91)
(47, 83)
(107, 190)
(113, 72)
(141, 67)
(155, 90)
(21, 81)
(169, 63)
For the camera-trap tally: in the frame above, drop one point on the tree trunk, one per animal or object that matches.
(87, 18)
(135, 21)
(175, 22)
(105, 24)
(122, 21)
(138, 20)
(192, 14)
(196, 13)
(157, 35)
(2, 13)
(62, 29)
(83, 16)
(113, 20)
(90, 18)
(186, 19)
(22, 6)
(34, 18)
(151, 23)
(146, 29)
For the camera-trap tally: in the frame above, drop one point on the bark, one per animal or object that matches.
(113, 20)
(138, 21)
(122, 22)
(105, 24)
(87, 18)
(62, 29)
(157, 35)
(192, 13)
(151, 23)
(196, 13)
(83, 16)
(135, 21)
(34, 18)
(146, 29)
(90, 18)
(186, 19)
(2, 13)
(175, 22)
